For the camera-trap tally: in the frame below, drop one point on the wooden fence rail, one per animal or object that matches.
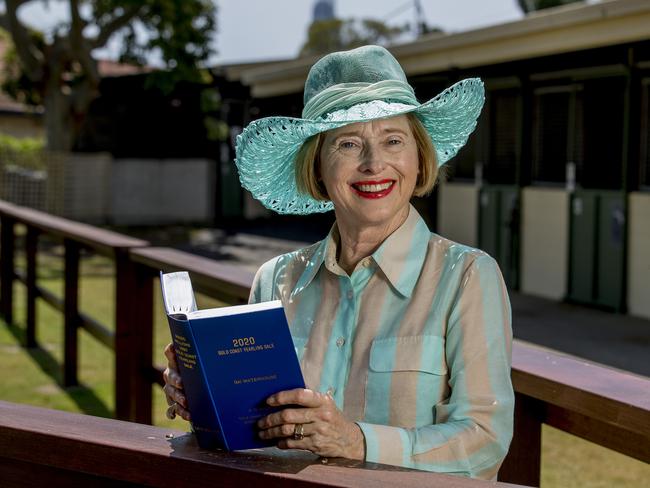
(40, 447)
(75, 237)
(600, 404)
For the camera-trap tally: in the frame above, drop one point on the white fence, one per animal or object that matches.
(98, 189)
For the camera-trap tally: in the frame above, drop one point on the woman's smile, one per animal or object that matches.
(373, 189)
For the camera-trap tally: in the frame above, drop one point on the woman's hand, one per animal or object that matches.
(325, 430)
(174, 387)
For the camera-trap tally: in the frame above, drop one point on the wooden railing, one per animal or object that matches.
(40, 447)
(604, 405)
(129, 391)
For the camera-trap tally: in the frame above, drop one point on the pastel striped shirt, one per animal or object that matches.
(414, 346)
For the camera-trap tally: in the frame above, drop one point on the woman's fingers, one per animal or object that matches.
(285, 430)
(299, 396)
(174, 387)
(176, 409)
(177, 402)
(172, 377)
(172, 365)
(170, 354)
(319, 426)
(174, 395)
(286, 416)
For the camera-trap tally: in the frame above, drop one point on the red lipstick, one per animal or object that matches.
(373, 189)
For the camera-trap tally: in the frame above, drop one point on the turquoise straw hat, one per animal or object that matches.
(342, 88)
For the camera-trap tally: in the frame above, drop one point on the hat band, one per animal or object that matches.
(345, 95)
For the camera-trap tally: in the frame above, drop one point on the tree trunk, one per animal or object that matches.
(59, 125)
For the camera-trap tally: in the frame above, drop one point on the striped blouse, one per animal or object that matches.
(414, 346)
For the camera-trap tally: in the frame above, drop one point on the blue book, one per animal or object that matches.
(231, 359)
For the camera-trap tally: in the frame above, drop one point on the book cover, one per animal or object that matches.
(231, 359)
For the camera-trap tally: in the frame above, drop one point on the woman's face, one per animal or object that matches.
(370, 170)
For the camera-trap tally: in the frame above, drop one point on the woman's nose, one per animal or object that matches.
(372, 161)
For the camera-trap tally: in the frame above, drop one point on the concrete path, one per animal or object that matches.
(619, 341)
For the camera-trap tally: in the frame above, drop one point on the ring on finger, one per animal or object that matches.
(171, 411)
(299, 432)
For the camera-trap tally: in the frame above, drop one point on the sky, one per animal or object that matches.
(253, 30)
(266, 29)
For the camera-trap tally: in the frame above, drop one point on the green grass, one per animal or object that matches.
(34, 377)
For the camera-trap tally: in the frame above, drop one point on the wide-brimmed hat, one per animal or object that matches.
(343, 88)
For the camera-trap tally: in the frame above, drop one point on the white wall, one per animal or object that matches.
(155, 191)
(458, 212)
(86, 186)
(77, 186)
(544, 242)
(638, 265)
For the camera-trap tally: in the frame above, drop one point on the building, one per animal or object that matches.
(555, 183)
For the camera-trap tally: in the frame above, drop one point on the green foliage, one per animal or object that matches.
(528, 6)
(58, 70)
(15, 82)
(179, 30)
(23, 152)
(325, 36)
(210, 100)
(215, 129)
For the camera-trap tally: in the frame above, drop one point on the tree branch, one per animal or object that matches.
(81, 50)
(30, 55)
(115, 25)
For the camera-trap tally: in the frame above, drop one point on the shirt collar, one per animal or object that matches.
(313, 265)
(400, 256)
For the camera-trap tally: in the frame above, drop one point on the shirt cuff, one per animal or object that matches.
(386, 445)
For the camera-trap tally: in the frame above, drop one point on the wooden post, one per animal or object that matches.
(143, 325)
(31, 249)
(71, 313)
(6, 267)
(523, 462)
(124, 335)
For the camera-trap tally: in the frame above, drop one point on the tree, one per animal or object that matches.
(528, 6)
(59, 70)
(329, 35)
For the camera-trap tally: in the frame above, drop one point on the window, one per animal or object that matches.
(551, 123)
(501, 164)
(599, 145)
(462, 167)
(582, 124)
(645, 136)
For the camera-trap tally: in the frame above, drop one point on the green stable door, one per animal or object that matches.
(597, 254)
(499, 216)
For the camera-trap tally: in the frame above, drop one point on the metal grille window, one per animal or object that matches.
(501, 165)
(645, 136)
(600, 145)
(463, 166)
(552, 123)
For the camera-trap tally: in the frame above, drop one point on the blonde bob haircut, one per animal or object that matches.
(308, 163)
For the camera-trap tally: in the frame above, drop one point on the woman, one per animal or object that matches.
(404, 336)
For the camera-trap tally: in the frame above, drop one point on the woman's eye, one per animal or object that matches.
(347, 145)
(394, 142)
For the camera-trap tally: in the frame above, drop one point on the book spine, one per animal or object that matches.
(205, 420)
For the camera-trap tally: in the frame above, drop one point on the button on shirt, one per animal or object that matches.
(414, 346)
